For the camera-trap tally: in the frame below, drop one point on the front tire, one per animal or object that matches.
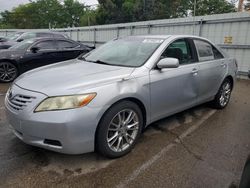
(8, 72)
(119, 129)
(222, 98)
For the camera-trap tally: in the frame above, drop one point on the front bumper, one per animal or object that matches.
(67, 131)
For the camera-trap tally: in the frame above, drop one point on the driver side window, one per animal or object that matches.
(181, 50)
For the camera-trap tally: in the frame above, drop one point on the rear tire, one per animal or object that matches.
(8, 72)
(119, 129)
(222, 98)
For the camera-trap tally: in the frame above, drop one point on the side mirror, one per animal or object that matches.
(168, 63)
(19, 40)
(34, 49)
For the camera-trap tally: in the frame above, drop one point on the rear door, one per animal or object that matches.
(175, 89)
(212, 69)
(68, 49)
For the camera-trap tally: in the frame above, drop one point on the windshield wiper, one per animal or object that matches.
(101, 62)
(82, 58)
(97, 61)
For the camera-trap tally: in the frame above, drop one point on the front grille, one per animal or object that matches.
(19, 102)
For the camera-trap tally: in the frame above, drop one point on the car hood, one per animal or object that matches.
(71, 77)
(10, 54)
(8, 43)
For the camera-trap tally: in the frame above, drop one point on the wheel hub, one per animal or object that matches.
(8, 72)
(123, 130)
(225, 94)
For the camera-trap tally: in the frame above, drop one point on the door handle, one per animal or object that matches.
(194, 72)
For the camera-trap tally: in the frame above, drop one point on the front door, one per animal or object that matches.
(45, 55)
(174, 89)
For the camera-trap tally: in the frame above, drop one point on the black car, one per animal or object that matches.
(33, 53)
(7, 42)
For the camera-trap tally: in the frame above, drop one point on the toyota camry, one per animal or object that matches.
(103, 100)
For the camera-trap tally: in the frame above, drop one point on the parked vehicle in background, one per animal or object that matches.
(7, 42)
(103, 100)
(33, 53)
(14, 35)
(11, 37)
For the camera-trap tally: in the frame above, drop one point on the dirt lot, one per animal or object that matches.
(200, 147)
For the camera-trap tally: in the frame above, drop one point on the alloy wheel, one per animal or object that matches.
(225, 94)
(8, 72)
(122, 130)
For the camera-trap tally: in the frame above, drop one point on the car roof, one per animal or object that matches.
(43, 32)
(166, 36)
(51, 38)
(46, 32)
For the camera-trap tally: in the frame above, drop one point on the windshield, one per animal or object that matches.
(23, 45)
(130, 52)
(14, 36)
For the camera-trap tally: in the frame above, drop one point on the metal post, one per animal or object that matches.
(149, 29)
(118, 32)
(94, 37)
(131, 30)
(200, 30)
(71, 34)
(194, 16)
(77, 34)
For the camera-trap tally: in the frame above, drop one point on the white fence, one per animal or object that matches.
(230, 31)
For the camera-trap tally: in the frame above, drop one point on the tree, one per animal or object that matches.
(117, 11)
(89, 18)
(5, 20)
(71, 13)
(208, 7)
(42, 13)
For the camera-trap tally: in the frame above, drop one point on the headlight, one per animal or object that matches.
(65, 102)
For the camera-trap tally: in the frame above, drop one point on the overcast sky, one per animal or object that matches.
(9, 4)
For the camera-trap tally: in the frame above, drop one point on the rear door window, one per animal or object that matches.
(204, 50)
(63, 44)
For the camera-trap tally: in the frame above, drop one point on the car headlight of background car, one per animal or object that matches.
(65, 102)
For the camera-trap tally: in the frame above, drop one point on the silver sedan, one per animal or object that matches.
(103, 100)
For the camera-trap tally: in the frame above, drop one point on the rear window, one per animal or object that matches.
(204, 49)
(217, 54)
(56, 35)
(44, 35)
(63, 44)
